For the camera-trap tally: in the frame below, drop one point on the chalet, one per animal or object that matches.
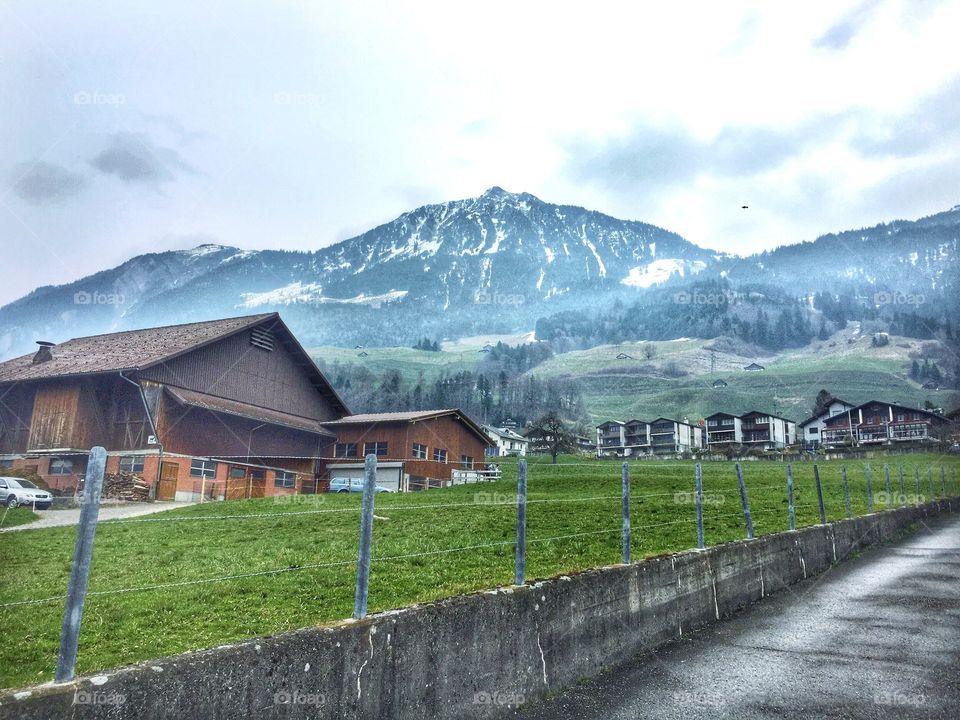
(619, 439)
(719, 383)
(672, 437)
(624, 356)
(811, 429)
(754, 367)
(416, 450)
(506, 442)
(882, 423)
(930, 385)
(767, 431)
(724, 429)
(221, 409)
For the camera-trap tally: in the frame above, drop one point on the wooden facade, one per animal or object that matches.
(230, 408)
(416, 442)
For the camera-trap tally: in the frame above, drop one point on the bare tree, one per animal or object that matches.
(553, 434)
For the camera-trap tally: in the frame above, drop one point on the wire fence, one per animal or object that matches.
(394, 549)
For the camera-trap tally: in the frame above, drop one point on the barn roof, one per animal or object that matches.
(408, 416)
(127, 350)
(132, 350)
(204, 401)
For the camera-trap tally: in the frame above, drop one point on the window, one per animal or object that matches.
(61, 466)
(466, 462)
(131, 463)
(238, 472)
(375, 448)
(439, 455)
(813, 430)
(899, 417)
(345, 450)
(284, 479)
(257, 474)
(420, 451)
(203, 469)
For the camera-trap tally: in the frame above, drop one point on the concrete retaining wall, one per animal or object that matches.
(473, 656)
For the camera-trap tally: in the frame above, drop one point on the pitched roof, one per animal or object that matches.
(132, 350)
(768, 414)
(245, 410)
(504, 433)
(930, 413)
(408, 416)
(127, 350)
(823, 412)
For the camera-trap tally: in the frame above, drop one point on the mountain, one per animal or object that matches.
(496, 263)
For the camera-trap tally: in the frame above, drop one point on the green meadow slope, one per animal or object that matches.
(675, 378)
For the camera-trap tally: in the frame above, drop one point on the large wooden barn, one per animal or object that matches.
(221, 409)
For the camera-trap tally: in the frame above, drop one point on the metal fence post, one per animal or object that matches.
(698, 478)
(886, 478)
(625, 512)
(745, 502)
(903, 494)
(790, 507)
(823, 510)
(930, 479)
(846, 491)
(943, 482)
(80, 571)
(366, 537)
(916, 477)
(869, 489)
(520, 556)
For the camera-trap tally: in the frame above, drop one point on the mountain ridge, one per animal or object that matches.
(496, 262)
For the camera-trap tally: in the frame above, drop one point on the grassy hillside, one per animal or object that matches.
(674, 378)
(678, 382)
(208, 574)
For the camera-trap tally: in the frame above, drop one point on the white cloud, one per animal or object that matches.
(305, 120)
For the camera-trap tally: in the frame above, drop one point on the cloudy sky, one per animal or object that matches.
(295, 125)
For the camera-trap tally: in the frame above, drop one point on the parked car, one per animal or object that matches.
(347, 484)
(18, 491)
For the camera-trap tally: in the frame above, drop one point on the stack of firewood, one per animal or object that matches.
(126, 486)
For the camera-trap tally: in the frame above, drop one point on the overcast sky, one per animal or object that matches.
(126, 130)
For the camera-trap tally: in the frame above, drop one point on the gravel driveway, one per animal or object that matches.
(71, 516)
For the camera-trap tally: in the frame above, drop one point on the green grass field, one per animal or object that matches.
(17, 516)
(426, 546)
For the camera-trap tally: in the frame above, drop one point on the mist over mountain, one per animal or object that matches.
(497, 263)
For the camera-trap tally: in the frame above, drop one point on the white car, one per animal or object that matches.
(16, 491)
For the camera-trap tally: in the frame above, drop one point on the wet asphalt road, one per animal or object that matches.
(876, 637)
